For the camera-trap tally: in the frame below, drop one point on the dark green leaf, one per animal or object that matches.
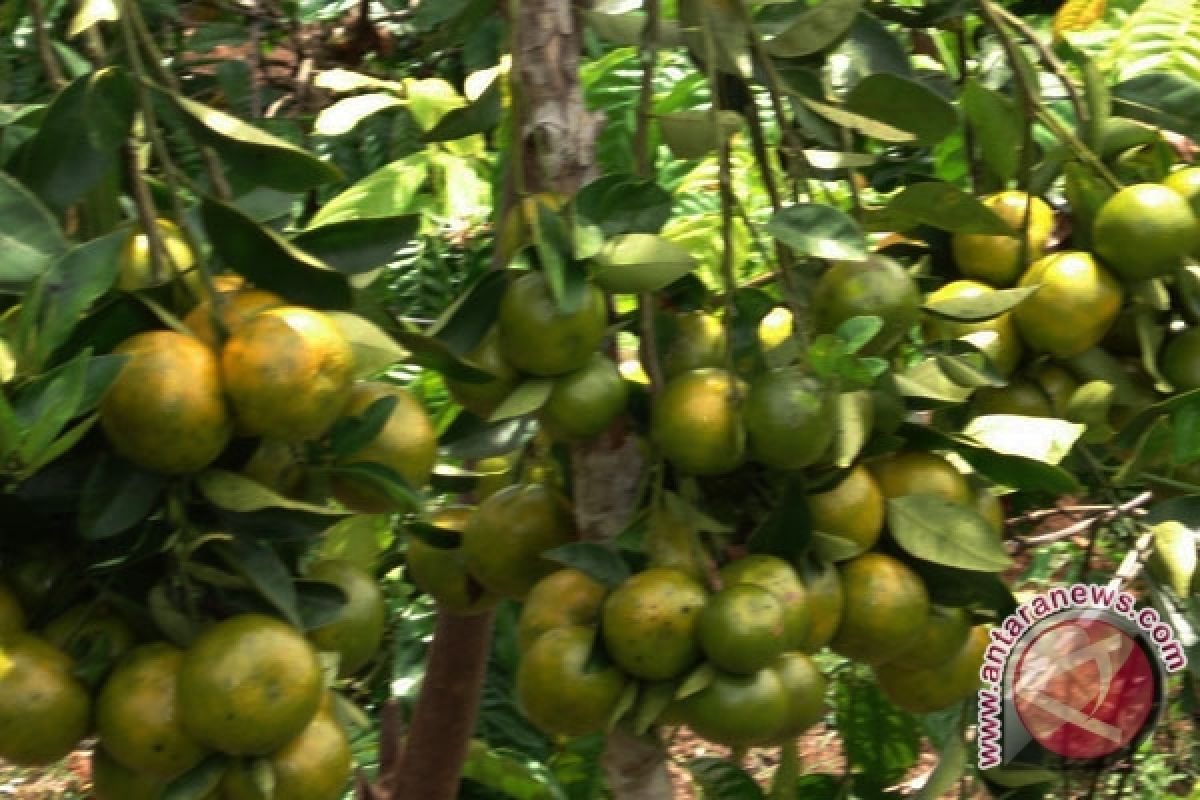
(117, 496)
(786, 530)
(464, 323)
(233, 491)
(925, 380)
(258, 563)
(319, 603)
(47, 410)
(631, 263)
(270, 261)
(945, 532)
(479, 117)
(275, 524)
(374, 349)
(79, 138)
(868, 126)
(381, 478)
(199, 782)
(970, 370)
(527, 398)
(566, 277)
(980, 307)
(432, 535)
(30, 237)
(870, 48)
(1005, 469)
(101, 372)
(814, 29)
(997, 127)
(817, 786)
(388, 191)
(469, 437)
(723, 780)
(946, 207)
(881, 742)
(597, 560)
(435, 354)
(624, 204)
(359, 245)
(813, 229)
(1163, 99)
(252, 152)
(351, 434)
(903, 104)
(961, 587)
(72, 284)
(695, 134)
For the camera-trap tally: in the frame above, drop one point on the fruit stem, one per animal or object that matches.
(783, 783)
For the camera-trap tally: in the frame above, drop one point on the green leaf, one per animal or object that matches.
(198, 782)
(1185, 424)
(469, 437)
(359, 245)
(866, 125)
(30, 238)
(1173, 561)
(1015, 471)
(854, 417)
(996, 125)
(785, 531)
(1038, 438)
(271, 261)
(374, 350)
(723, 780)
(812, 229)
(970, 369)
(90, 13)
(381, 478)
(318, 603)
(464, 324)
(79, 138)
(952, 764)
(813, 29)
(233, 491)
(695, 134)
(980, 307)
(1160, 36)
(72, 284)
(624, 204)
(699, 679)
(514, 775)
(856, 332)
(597, 560)
(345, 114)
(626, 29)
(387, 192)
(253, 153)
(881, 742)
(46, 408)
(432, 535)
(116, 496)
(435, 354)
(926, 380)
(904, 104)
(479, 117)
(944, 532)
(631, 263)
(527, 398)
(946, 207)
(259, 564)
(1162, 99)
(352, 433)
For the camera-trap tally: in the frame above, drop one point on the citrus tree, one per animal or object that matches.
(492, 391)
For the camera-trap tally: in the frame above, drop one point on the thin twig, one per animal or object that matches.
(643, 158)
(45, 49)
(1051, 61)
(1112, 512)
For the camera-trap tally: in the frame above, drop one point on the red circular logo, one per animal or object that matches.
(1083, 688)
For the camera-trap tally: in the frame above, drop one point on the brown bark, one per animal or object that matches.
(443, 721)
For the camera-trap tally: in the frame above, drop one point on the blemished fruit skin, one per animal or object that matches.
(233, 309)
(878, 287)
(787, 416)
(559, 691)
(248, 685)
(44, 710)
(739, 710)
(697, 340)
(779, 578)
(137, 715)
(996, 259)
(504, 540)
(1076, 302)
(583, 403)
(649, 623)
(1145, 230)
(288, 372)
(358, 631)
(885, 609)
(741, 628)
(697, 424)
(538, 338)
(315, 765)
(559, 600)
(166, 410)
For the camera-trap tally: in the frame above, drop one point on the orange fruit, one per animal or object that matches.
(694, 340)
(166, 411)
(917, 472)
(137, 266)
(505, 538)
(137, 715)
(786, 414)
(1144, 231)
(559, 600)
(44, 710)
(560, 691)
(996, 259)
(357, 632)
(278, 466)
(945, 632)
(584, 403)
(739, 710)
(741, 628)
(442, 572)
(927, 689)
(696, 422)
(885, 609)
(288, 372)
(1058, 384)
(233, 308)
(649, 623)
(315, 765)
(878, 287)
(1180, 361)
(248, 685)
(481, 399)
(1187, 182)
(780, 579)
(997, 337)
(852, 510)
(87, 628)
(1021, 396)
(539, 338)
(823, 590)
(407, 444)
(804, 686)
(1074, 306)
